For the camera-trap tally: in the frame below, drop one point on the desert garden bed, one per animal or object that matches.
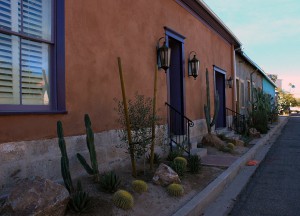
(156, 201)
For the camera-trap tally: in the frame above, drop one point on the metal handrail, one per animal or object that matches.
(237, 121)
(179, 129)
(191, 123)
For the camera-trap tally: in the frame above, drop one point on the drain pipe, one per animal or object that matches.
(234, 78)
(251, 80)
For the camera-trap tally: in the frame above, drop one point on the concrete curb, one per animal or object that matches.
(200, 201)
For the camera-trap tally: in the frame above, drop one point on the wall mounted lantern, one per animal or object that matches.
(229, 82)
(163, 55)
(193, 65)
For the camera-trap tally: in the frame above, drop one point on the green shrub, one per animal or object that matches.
(260, 120)
(80, 201)
(175, 190)
(194, 163)
(110, 182)
(139, 186)
(123, 199)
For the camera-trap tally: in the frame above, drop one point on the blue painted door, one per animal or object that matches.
(176, 87)
(220, 88)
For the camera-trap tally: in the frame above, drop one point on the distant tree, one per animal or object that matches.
(285, 101)
(298, 101)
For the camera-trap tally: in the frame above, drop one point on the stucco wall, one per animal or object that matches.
(243, 74)
(268, 88)
(97, 32)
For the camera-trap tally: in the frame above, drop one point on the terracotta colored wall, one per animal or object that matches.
(98, 31)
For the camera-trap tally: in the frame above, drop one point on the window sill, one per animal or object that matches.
(33, 112)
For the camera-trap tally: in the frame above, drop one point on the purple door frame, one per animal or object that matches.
(175, 78)
(220, 84)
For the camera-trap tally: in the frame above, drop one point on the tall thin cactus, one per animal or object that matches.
(93, 169)
(65, 169)
(210, 123)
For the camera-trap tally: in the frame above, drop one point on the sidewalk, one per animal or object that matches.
(205, 198)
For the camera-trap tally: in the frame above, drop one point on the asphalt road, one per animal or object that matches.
(274, 189)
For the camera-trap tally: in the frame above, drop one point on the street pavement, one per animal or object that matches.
(274, 189)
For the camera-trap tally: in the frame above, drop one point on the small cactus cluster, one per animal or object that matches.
(175, 190)
(139, 186)
(123, 199)
(110, 182)
(194, 163)
(80, 201)
(156, 159)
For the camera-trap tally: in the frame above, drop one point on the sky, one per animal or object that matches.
(269, 31)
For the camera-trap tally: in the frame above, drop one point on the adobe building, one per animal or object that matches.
(59, 61)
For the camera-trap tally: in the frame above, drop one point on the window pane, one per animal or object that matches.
(37, 18)
(35, 73)
(10, 14)
(242, 94)
(9, 70)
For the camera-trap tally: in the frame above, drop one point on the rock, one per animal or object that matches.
(38, 197)
(254, 133)
(165, 175)
(212, 140)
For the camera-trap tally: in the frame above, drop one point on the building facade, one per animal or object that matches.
(59, 61)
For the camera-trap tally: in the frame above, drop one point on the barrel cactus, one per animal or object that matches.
(181, 160)
(175, 190)
(123, 199)
(139, 186)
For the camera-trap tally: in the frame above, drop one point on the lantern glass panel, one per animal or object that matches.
(165, 54)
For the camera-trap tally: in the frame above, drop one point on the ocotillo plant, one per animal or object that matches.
(210, 123)
(93, 169)
(65, 170)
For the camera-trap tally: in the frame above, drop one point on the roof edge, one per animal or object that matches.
(202, 11)
(218, 19)
(250, 61)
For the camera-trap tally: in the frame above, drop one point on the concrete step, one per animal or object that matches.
(228, 133)
(201, 152)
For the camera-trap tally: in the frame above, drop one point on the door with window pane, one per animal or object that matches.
(25, 51)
